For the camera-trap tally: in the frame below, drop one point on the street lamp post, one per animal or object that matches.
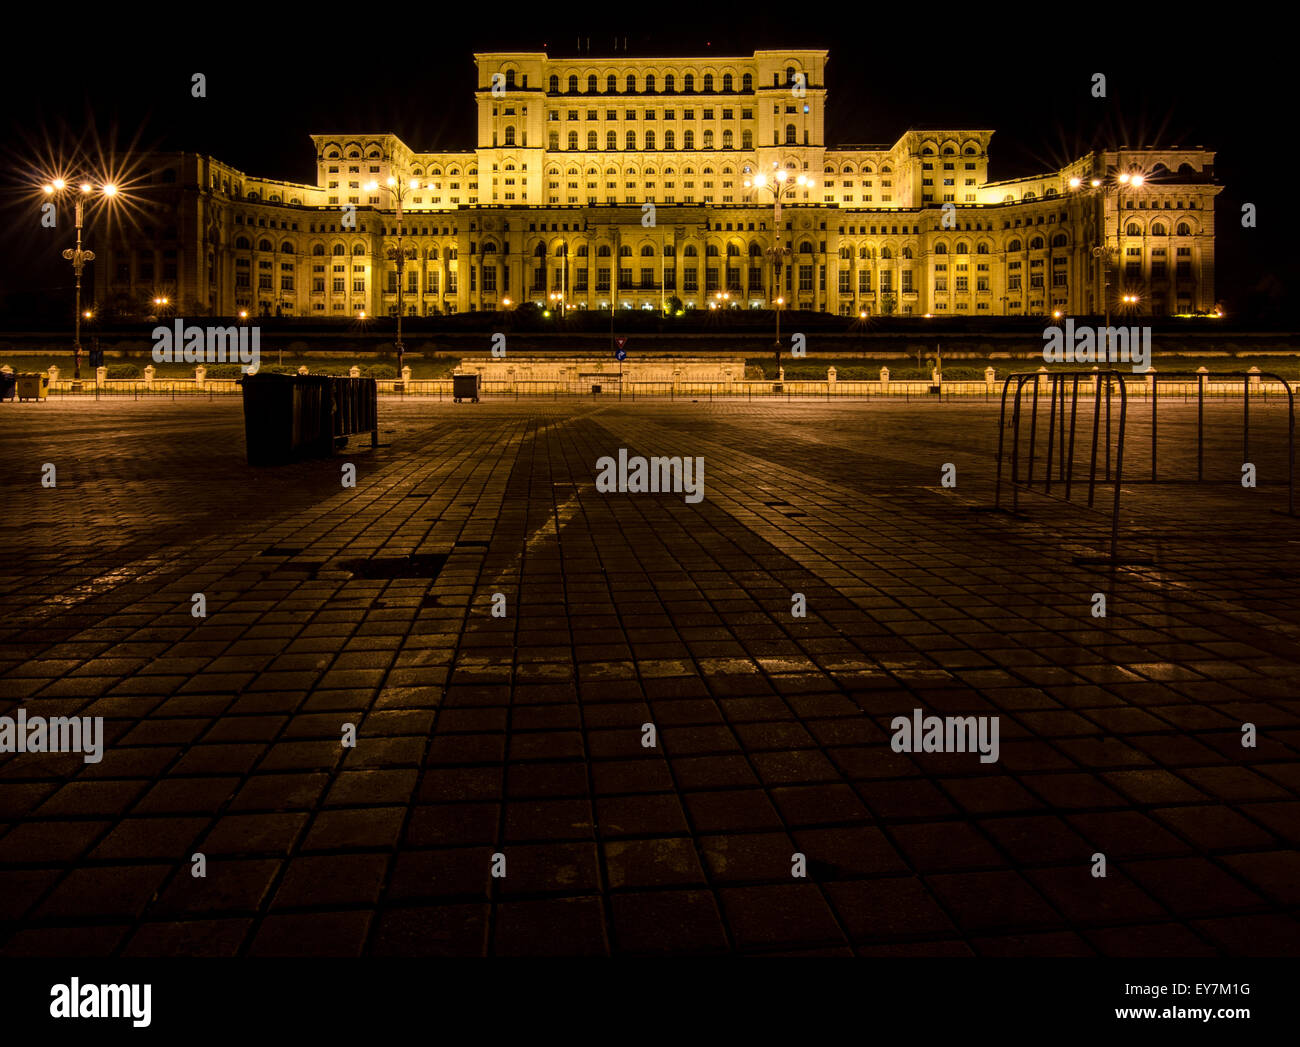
(398, 190)
(780, 185)
(77, 256)
(1102, 251)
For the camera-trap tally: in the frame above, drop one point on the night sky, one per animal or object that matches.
(272, 82)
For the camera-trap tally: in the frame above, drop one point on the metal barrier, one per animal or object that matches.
(1061, 431)
(1249, 379)
(1056, 380)
(299, 416)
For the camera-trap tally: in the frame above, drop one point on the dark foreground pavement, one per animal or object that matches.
(522, 735)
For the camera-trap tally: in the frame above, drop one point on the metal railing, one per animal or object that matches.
(1056, 380)
(1062, 410)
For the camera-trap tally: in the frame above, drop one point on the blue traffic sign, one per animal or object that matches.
(620, 355)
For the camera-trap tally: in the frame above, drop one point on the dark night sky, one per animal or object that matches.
(271, 83)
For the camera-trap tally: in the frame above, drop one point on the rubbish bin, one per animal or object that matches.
(33, 386)
(286, 416)
(464, 387)
(8, 383)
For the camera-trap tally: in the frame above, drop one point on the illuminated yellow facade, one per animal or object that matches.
(624, 181)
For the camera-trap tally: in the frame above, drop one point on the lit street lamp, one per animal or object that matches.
(1136, 180)
(77, 256)
(780, 185)
(398, 190)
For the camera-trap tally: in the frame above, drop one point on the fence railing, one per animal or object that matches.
(1061, 391)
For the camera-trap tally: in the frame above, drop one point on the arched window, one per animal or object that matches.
(602, 251)
(318, 250)
(649, 83)
(754, 250)
(1013, 245)
(790, 138)
(591, 83)
(962, 247)
(573, 85)
(747, 139)
(553, 140)
(540, 251)
(885, 252)
(358, 250)
(582, 250)
(691, 251)
(982, 249)
(433, 253)
(591, 140)
(688, 83)
(1184, 229)
(625, 251)
(611, 84)
(708, 83)
(728, 140)
(555, 85)
(611, 140)
(1132, 229)
(669, 139)
(747, 82)
(727, 82)
(573, 139)
(631, 139)
(631, 83)
(670, 83)
(510, 134)
(907, 252)
(688, 140)
(1158, 229)
(1058, 240)
(941, 248)
(649, 139)
(1036, 244)
(789, 74)
(711, 251)
(647, 251)
(242, 243)
(805, 248)
(865, 252)
(708, 139)
(264, 245)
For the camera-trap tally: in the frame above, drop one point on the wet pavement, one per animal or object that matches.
(519, 739)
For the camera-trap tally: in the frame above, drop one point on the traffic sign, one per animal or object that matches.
(621, 342)
(620, 356)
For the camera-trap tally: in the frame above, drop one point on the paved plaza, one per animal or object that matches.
(517, 739)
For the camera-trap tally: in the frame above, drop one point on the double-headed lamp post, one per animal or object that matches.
(1131, 179)
(76, 255)
(398, 189)
(780, 185)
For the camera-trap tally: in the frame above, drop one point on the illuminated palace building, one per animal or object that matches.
(555, 198)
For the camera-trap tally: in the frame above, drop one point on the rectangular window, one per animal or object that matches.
(805, 278)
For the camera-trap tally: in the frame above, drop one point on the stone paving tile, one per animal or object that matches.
(479, 737)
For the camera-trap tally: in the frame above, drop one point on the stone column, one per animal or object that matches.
(200, 373)
(884, 380)
(149, 372)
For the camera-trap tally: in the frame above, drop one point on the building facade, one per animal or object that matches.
(628, 182)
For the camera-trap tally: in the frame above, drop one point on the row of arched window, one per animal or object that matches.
(651, 140)
(650, 83)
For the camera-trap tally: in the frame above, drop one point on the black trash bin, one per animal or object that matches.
(286, 416)
(464, 387)
(8, 385)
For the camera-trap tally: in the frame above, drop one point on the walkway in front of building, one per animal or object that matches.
(522, 735)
